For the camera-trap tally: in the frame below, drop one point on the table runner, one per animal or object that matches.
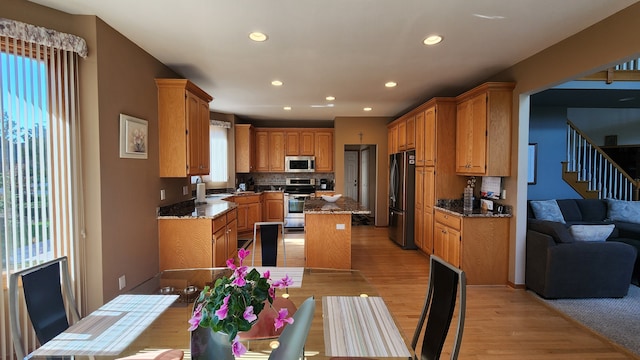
(277, 273)
(360, 327)
(110, 329)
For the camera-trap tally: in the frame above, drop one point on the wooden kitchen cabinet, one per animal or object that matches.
(410, 135)
(392, 139)
(197, 242)
(483, 130)
(183, 128)
(299, 142)
(324, 150)
(249, 211)
(273, 206)
(402, 134)
(425, 200)
(477, 245)
(270, 149)
(245, 143)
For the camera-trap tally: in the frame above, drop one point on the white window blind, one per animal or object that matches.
(40, 198)
(219, 154)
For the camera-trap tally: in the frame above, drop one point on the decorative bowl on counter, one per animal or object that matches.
(331, 198)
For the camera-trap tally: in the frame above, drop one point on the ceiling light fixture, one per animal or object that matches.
(489, 17)
(288, 108)
(432, 40)
(258, 36)
(330, 98)
(276, 83)
(391, 84)
(367, 109)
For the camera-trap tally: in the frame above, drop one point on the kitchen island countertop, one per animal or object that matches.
(344, 205)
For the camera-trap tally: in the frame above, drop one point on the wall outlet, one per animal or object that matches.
(340, 227)
(122, 282)
(162, 195)
(185, 190)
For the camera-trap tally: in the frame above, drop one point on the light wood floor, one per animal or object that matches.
(501, 322)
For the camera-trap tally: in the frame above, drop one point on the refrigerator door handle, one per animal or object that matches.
(393, 183)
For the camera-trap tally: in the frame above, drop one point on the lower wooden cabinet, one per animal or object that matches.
(273, 206)
(197, 242)
(249, 211)
(477, 245)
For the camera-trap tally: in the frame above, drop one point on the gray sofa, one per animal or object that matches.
(560, 266)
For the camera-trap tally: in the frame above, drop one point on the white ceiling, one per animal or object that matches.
(344, 48)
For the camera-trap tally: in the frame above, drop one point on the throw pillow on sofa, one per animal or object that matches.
(627, 211)
(556, 230)
(591, 232)
(547, 210)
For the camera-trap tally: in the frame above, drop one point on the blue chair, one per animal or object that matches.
(446, 283)
(45, 296)
(294, 336)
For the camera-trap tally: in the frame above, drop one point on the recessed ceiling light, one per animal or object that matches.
(276, 83)
(391, 84)
(432, 40)
(258, 36)
(367, 109)
(330, 98)
(287, 108)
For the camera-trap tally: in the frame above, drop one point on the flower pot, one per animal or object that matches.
(207, 344)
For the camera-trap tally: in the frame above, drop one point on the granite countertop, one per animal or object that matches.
(454, 207)
(213, 207)
(344, 205)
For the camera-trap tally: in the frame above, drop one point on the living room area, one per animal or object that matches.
(583, 214)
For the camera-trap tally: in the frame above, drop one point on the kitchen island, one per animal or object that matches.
(327, 232)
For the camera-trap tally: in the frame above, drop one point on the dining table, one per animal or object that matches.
(351, 320)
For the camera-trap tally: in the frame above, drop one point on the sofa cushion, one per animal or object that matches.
(547, 210)
(627, 211)
(591, 232)
(570, 210)
(556, 230)
(592, 210)
(628, 230)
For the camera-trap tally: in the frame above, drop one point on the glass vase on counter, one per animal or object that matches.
(467, 205)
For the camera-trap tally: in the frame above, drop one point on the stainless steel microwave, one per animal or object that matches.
(300, 164)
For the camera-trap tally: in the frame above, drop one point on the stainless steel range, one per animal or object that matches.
(296, 191)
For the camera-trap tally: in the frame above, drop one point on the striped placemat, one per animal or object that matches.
(360, 327)
(277, 273)
(110, 329)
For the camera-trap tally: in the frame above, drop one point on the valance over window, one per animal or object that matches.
(43, 36)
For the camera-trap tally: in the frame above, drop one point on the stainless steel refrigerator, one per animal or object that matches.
(402, 185)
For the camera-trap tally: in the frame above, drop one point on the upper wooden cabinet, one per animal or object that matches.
(183, 128)
(245, 148)
(402, 134)
(270, 148)
(299, 142)
(324, 150)
(483, 130)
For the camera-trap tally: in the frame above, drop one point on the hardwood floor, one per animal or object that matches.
(501, 322)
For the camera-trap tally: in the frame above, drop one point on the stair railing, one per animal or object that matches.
(595, 167)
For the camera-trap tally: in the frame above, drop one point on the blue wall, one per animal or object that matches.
(547, 128)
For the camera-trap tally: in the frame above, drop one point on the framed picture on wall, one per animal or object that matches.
(133, 137)
(531, 164)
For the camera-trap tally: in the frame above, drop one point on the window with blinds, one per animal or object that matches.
(40, 178)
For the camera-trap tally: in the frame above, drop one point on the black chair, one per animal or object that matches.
(45, 296)
(269, 242)
(446, 283)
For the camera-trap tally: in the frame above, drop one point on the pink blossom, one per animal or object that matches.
(237, 347)
(195, 319)
(284, 282)
(249, 315)
(224, 309)
(272, 292)
(282, 318)
(267, 274)
(242, 254)
(239, 281)
(231, 264)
